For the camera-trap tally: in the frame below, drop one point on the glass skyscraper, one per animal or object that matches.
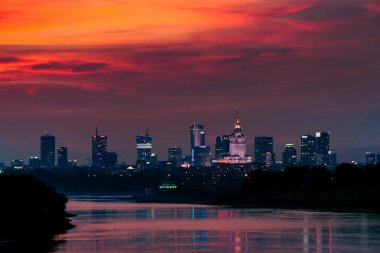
(47, 151)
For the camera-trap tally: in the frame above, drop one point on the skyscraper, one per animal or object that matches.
(322, 145)
(370, 158)
(218, 147)
(197, 138)
(289, 156)
(144, 148)
(47, 151)
(63, 161)
(263, 145)
(333, 160)
(308, 150)
(99, 149)
(237, 146)
(202, 156)
(175, 156)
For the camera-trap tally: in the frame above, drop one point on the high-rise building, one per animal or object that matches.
(218, 147)
(225, 145)
(99, 149)
(63, 161)
(110, 159)
(308, 150)
(175, 156)
(322, 148)
(263, 145)
(47, 151)
(237, 150)
(377, 158)
(144, 148)
(333, 160)
(370, 158)
(34, 162)
(289, 156)
(202, 156)
(197, 138)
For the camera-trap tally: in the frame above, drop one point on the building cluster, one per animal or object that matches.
(230, 149)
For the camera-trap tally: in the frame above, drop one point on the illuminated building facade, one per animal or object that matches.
(308, 150)
(322, 145)
(197, 139)
(202, 156)
(289, 156)
(264, 150)
(175, 156)
(237, 146)
(144, 149)
(99, 149)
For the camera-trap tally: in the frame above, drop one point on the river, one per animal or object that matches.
(110, 225)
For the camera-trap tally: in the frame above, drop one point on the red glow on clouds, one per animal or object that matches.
(132, 64)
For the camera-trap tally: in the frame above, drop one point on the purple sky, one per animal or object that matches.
(290, 66)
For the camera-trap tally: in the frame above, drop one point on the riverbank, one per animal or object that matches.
(31, 214)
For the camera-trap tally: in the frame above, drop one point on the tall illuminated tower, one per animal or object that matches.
(144, 147)
(237, 146)
(308, 150)
(322, 146)
(197, 138)
(99, 149)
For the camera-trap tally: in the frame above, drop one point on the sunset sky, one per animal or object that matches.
(127, 65)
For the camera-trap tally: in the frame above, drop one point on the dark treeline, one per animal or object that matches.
(31, 214)
(348, 187)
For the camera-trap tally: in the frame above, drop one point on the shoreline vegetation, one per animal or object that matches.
(347, 188)
(32, 213)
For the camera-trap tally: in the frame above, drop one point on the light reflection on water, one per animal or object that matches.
(116, 226)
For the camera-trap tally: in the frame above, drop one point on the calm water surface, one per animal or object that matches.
(106, 225)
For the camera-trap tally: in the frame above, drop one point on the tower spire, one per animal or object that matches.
(96, 131)
(147, 131)
(237, 124)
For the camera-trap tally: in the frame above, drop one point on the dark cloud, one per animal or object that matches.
(329, 10)
(70, 66)
(8, 59)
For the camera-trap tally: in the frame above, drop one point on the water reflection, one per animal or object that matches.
(128, 227)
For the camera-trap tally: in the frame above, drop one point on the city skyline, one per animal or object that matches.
(254, 152)
(292, 67)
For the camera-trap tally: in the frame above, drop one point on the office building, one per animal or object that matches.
(197, 138)
(99, 149)
(144, 149)
(264, 150)
(322, 148)
(308, 150)
(289, 156)
(333, 160)
(218, 147)
(34, 162)
(110, 159)
(47, 151)
(370, 158)
(202, 156)
(175, 156)
(63, 161)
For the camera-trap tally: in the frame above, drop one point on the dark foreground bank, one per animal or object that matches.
(348, 188)
(31, 214)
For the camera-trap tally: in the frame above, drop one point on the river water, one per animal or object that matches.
(109, 225)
